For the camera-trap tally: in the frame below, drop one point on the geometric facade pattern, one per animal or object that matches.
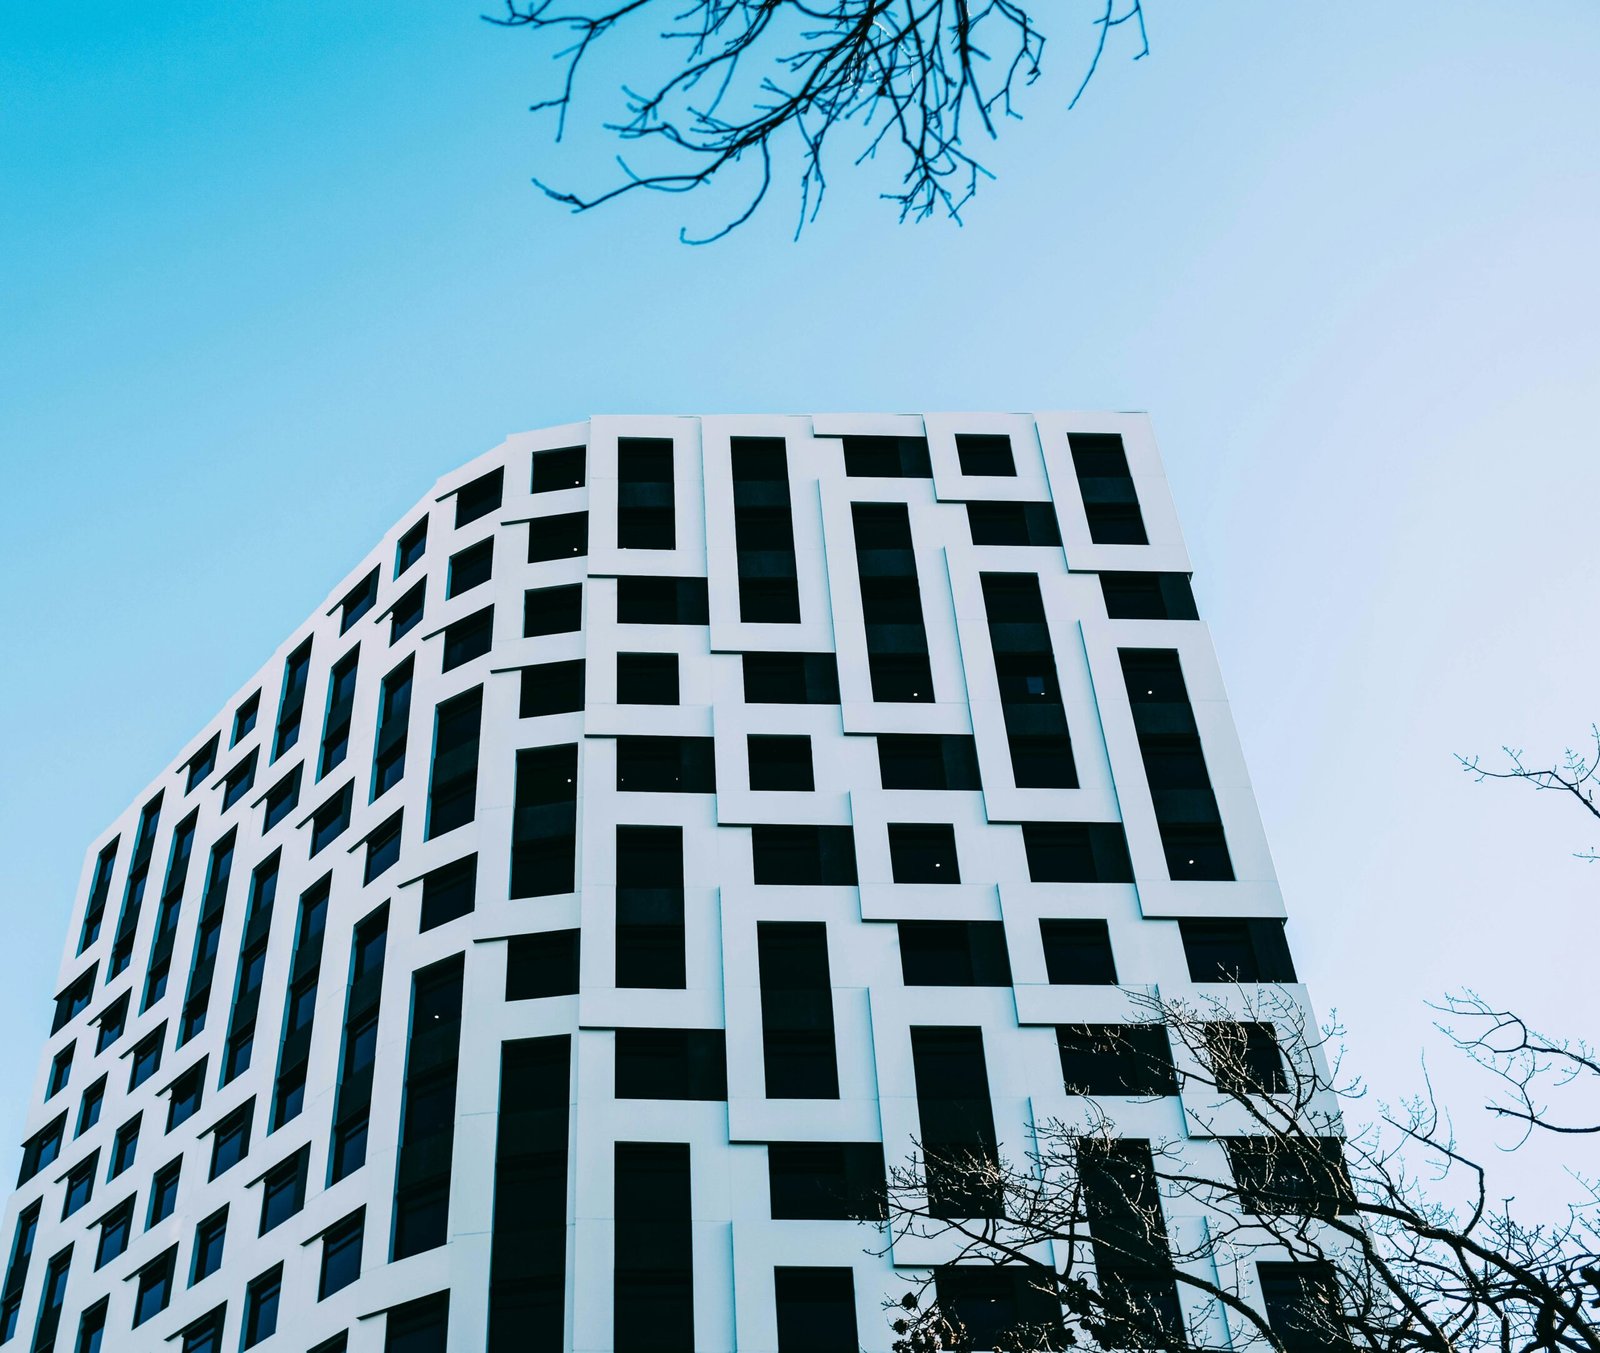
(665, 826)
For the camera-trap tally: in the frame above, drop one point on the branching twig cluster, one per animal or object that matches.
(1577, 774)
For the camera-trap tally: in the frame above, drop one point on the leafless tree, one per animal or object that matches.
(1577, 775)
(744, 88)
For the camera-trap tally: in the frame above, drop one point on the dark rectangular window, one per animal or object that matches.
(887, 457)
(294, 1048)
(453, 784)
(647, 678)
(92, 1329)
(551, 688)
(1077, 852)
(60, 1075)
(992, 1302)
(17, 1269)
(383, 847)
(281, 800)
(565, 536)
(826, 1181)
(353, 1097)
(133, 889)
(480, 497)
(244, 718)
(115, 1228)
(891, 603)
(330, 820)
(261, 1306)
(1116, 1059)
(358, 601)
(428, 1111)
(210, 1236)
(252, 965)
(1131, 1257)
(406, 614)
(662, 601)
(923, 852)
(653, 1287)
(159, 966)
(1290, 1176)
(797, 1031)
(449, 892)
(124, 1146)
(469, 638)
(804, 855)
(99, 890)
(230, 1139)
(816, 1310)
(73, 999)
(394, 718)
(959, 1147)
(559, 468)
(201, 764)
(1245, 949)
(780, 762)
(1030, 692)
(154, 1289)
(527, 1266)
(646, 508)
(985, 454)
(650, 936)
(341, 1254)
(763, 531)
(283, 1190)
(164, 1192)
(411, 547)
(671, 1064)
(236, 784)
(146, 1059)
(552, 610)
(928, 761)
(469, 568)
(954, 954)
(1109, 500)
(1148, 596)
(1077, 952)
(421, 1326)
(1244, 1058)
(545, 964)
(1302, 1306)
(292, 701)
(205, 1334)
(1020, 524)
(336, 722)
(544, 828)
(666, 765)
(42, 1149)
(186, 1095)
(51, 1299)
(89, 1111)
(791, 679)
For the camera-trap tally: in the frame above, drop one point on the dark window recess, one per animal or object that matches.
(662, 601)
(959, 1148)
(329, 821)
(545, 964)
(336, 722)
(480, 497)
(383, 847)
(551, 688)
(261, 1299)
(1243, 1057)
(647, 678)
(544, 826)
(810, 856)
(1131, 1257)
(154, 1288)
(353, 1098)
(79, 1185)
(201, 764)
(469, 568)
(208, 931)
(797, 1033)
(1077, 852)
(1247, 949)
(283, 1190)
(1148, 596)
(1030, 693)
(1290, 1176)
(205, 1334)
(236, 784)
(791, 679)
(281, 800)
(428, 1112)
(244, 718)
(1302, 1306)
(528, 1252)
(954, 954)
(1116, 1059)
(294, 1049)
(552, 610)
(763, 532)
(42, 1149)
(405, 614)
(60, 1075)
(453, 781)
(923, 852)
(146, 1058)
(17, 1269)
(449, 892)
(144, 845)
(94, 1099)
(780, 762)
(394, 718)
(186, 1095)
(292, 703)
(816, 1309)
(421, 1326)
(1013, 524)
(928, 761)
(73, 999)
(92, 1329)
(164, 1192)
(565, 536)
(1180, 786)
(115, 1228)
(167, 912)
(995, 1301)
(645, 503)
(650, 936)
(411, 547)
(891, 603)
(469, 638)
(1109, 500)
(99, 890)
(826, 1181)
(887, 457)
(230, 1139)
(240, 1046)
(666, 765)
(557, 469)
(341, 1254)
(653, 1286)
(358, 601)
(51, 1299)
(671, 1064)
(1077, 952)
(210, 1236)
(985, 454)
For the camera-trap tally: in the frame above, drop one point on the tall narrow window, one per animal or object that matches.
(653, 1290)
(1030, 693)
(208, 932)
(292, 703)
(891, 603)
(353, 1099)
(645, 504)
(144, 845)
(763, 529)
(650, 940)
(261, 1306)
(244, 718)
(99, 891)
(17, 1269)
(154, 1289)
(394, 716)
(797, 1035)
(294, 1049)
(167, 911)
(341, 1254)
(51, 1299)
(959, 1147)
(428, 1110)
(1131, 1256)
(341, 701)
(545, 821)
(453, 784)
(252, 966)
(1109, 500)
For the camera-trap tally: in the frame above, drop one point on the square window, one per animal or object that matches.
(557, 469)
(1244, 1058)
(469, 638)
(1077, 952)
(923, 852)
(647, 678)
(449, 892)
(985, 454)
(780, 762)
(480, 497)
(564, 536)
(545, 964)
(552, 610)
(551, 688)
(816, 1310)
(471, 567)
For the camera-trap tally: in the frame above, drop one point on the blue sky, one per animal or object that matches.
(266, 272)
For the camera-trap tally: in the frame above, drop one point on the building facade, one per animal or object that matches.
(551, 946)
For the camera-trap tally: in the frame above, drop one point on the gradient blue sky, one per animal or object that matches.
(266, 271)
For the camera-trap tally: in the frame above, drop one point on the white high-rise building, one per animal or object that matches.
(665, 826)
